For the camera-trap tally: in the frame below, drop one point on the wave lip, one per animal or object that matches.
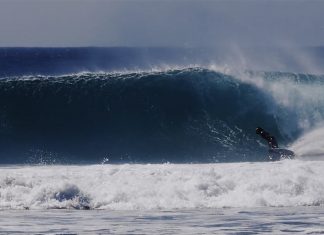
(163, 187)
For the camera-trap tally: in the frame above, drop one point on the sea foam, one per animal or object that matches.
(163, 186)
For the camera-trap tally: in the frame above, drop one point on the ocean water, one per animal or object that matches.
(283, 220)
(120, 141)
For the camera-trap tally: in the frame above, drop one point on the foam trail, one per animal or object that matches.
(311, 145)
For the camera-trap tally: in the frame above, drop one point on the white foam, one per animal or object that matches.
(168, 186)
(310, 146)
(295, 105)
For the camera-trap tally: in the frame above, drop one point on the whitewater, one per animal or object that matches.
(163, 186)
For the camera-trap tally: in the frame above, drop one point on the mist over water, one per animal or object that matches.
(310, 146)
(59, 61)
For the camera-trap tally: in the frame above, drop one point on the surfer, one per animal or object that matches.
(272, 142)
(275, 153)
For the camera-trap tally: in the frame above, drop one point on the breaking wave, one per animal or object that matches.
(179, 115)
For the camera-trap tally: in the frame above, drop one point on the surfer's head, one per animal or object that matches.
(258, 130)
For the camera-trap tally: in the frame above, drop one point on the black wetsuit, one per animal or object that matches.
(272, 142)
(275, 153)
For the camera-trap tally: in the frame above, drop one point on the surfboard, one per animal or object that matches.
(277, 154)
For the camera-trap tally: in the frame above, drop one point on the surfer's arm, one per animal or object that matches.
(272, 142)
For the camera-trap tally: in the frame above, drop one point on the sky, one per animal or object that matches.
(161, 23)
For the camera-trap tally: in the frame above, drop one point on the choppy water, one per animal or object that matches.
(282, 220)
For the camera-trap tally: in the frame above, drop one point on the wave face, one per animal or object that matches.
(163, 186)
(185, 115)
